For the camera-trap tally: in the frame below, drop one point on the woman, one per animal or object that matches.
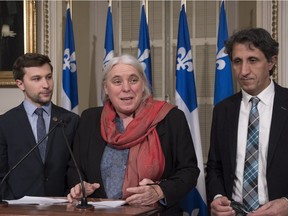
(134, 147)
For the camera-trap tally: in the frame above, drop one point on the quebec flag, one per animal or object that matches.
(223, 77)
(69, 96)
(195, 202)
(109, 41)
(144, 55)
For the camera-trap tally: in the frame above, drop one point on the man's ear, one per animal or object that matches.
(20, 84)
(273, 61)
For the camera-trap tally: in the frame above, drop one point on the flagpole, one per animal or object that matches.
(147, 11)
(144, 53)
(70, 2)
(109, 39)
(69, 93)
(186, 100)
(223, 84)
(184, 2)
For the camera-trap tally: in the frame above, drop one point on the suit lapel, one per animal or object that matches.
(55, 116)
(233, 119)
(279, 119)
(22, 118)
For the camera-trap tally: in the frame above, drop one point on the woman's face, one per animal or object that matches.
(124, 87)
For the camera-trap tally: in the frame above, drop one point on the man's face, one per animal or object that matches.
(251, 68)
(37, 84)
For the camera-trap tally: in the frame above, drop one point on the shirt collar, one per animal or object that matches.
(30, 108)
(264, 95)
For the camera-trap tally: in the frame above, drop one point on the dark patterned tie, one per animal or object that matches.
(250, 179)
(41, 132)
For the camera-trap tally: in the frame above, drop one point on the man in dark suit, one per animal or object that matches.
(253, 53)
(43, 172)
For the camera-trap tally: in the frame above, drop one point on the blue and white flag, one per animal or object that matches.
(144, 54)
(223, 77)
(186, 100)
(109, 41)
(69, 97)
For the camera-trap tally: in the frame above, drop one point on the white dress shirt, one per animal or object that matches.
(265, 108)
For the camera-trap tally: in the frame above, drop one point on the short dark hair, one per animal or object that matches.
(259, 38)
(29, 60)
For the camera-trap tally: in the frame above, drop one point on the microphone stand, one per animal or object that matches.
(83, 205)
(5, 203)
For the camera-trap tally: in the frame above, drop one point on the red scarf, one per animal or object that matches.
(146, 159)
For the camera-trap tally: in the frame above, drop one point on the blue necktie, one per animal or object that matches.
(41, 132)
(250, 179)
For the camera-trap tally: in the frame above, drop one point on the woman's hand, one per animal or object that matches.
(76, 191)
(145, 194)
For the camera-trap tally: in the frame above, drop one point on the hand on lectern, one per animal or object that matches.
(76, 191)
(147, 193)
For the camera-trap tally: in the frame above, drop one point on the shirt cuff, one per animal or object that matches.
(217, 196)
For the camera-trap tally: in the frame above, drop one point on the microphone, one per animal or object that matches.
(55, 119)
(83, 205)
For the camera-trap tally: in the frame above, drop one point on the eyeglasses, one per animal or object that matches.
(238, 208)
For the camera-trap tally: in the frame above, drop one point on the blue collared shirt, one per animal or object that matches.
(32, 116)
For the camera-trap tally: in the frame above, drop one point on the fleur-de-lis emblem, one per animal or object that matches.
(143, 56)
(184, 60)
(107, 58)
(69, 61)
(219, 59)
(194, 212)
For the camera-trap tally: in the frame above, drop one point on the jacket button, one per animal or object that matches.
(46, 179)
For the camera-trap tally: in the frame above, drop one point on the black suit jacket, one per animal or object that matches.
(221, 164)
(181, 171)
(32, 177)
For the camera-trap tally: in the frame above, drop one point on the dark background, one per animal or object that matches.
(11, 13)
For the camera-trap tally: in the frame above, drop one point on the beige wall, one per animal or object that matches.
(89, 20)
(91, 47)
(247, 14)
(9, 98)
